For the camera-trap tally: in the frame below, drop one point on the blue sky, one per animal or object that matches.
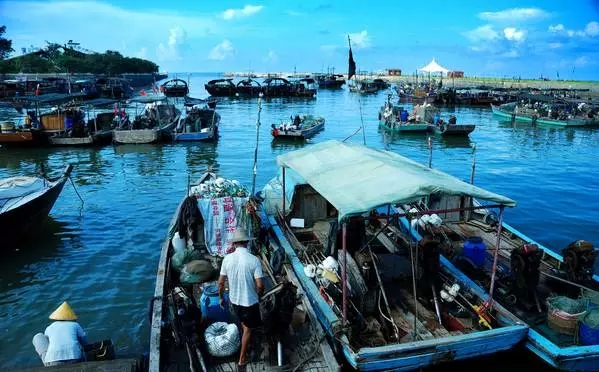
(506, 38)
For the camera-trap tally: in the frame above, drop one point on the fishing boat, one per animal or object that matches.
(452, 129)
(396, 119)
(364, 86)
(514, 111)
(387, 304)
(199, 124)
(432, 115)
(25, 202)
(555, 294)
(157, 121)
(304, 88)
(12, 135)
(300, 127)
(189, 329)
(248, 88)
(330, 81)
(277, 87)
(175, 88)
(221, 88)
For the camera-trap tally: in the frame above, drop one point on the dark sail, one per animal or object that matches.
(352, 65)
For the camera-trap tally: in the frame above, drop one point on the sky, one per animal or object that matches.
(505, 38)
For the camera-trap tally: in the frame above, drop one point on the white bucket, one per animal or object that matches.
(178, 243)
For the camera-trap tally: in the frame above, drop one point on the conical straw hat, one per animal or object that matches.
(64, 312)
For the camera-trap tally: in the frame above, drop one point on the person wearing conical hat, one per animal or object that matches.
(243, 271)
(62, 342)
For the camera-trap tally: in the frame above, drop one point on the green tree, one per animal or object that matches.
(5, 44)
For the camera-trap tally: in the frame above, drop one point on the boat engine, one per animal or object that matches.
(525, 262)
(579, 261)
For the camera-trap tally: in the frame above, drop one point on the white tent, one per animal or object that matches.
(434, 67)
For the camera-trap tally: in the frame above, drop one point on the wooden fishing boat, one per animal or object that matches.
(530, 280)
(182, 340)
(302, 127)
(432, 115)
(396, 119)
(248, 88)
(512, 112)
(13, 136)
(25, 202)
(304, 88)
(156, 122)
(175, 88)
(277, 87)
(365, 86)
(447, 129)
(384, 311)
(330, 81)
(200, 124)
(221, 88)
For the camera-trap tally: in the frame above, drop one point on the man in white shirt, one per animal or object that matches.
(243, 271)
(63, 340)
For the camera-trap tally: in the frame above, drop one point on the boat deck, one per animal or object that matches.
(117, 365)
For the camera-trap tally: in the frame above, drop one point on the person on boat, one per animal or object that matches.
(62, 342)
(404, 115)
(452, 120)
(297, 121)
(243, 271)
(436, 119)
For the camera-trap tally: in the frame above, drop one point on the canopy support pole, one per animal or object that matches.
(495, 255)
(283, 171)
(344, 271)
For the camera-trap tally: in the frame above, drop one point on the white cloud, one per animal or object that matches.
(222, 51)
(513, 34)
(581, 61)
(360, 39)
(592, 29)
(246, 11)
(511, 54)
(555, 45)
(482, 33)
(514, 15)
(271, 56)
(171, 51)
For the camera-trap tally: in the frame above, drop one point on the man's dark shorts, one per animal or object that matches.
(248, 316)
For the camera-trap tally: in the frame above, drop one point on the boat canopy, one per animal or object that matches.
(147, 99)
(356, 179)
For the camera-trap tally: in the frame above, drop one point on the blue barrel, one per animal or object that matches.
(68, 123)
(210, 304)
(475, 250)
(586, 334)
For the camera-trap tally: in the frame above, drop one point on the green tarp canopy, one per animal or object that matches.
(356, 179)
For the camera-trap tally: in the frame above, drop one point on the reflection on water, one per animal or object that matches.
(102, 256)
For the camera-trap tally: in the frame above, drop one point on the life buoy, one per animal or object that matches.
(222, 339)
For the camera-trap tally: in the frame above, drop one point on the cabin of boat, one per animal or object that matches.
(189, 329)
(555, 294)
(305, 87)
(175, 88)
(221, 88)
(248, 88)
(277, 87)
(299, 127)
(400, 308)
(330, 81)
(113, 87)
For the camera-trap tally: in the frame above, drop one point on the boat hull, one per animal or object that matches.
(71, 141)
(534, 120)
(454, 130)
(297, 134)
(136, 136)
(23, 221)
(22, 139)
(195, 137)
(404, 127)
(411, 355)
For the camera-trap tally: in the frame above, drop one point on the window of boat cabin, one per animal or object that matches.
(310, 206)
(442, 201)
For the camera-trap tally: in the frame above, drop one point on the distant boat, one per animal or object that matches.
(302, 127)
(175, 88)
(221, 88)
(25, 202)
(329, 81)
(512, 111)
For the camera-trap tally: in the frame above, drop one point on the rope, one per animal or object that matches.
(76, 191)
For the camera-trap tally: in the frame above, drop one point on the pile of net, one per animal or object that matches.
(592, 319)
(219, 188)
(564, 312)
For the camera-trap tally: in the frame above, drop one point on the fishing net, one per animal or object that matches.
(182, 257)
(592, 319)
(592, 297)
(564, 312)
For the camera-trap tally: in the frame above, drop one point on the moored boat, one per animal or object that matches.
(391, 294)
(25, 202)
(513, 111)
(396, 119)
(555, 294)
(155, 123)
(187, 338)
(12, 135)
(221, 88)
(330, 81)
(175, 88)
(304, 88)
(301, 127)
(199, 124)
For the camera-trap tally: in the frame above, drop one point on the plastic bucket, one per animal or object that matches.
(475, 250)
(588, 331)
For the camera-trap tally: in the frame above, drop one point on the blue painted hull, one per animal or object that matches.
(411, 355)
(299, 134)
(573, 358)
(192, 137)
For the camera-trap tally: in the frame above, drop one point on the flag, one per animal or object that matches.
(351, 71)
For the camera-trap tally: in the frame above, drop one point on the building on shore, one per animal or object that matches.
(455, 74)
(394, 72)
